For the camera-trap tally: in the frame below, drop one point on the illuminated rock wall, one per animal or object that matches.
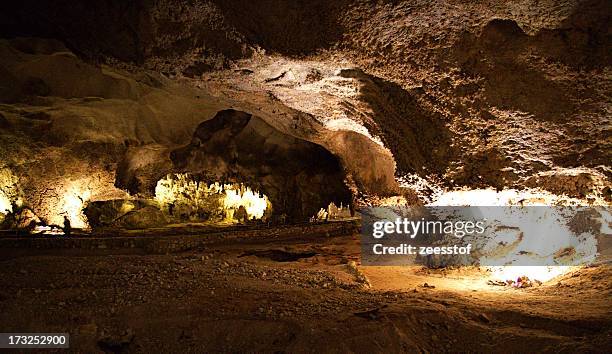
(8, 190)
(184, 198)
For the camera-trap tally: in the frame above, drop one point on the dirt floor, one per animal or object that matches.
(294, 295)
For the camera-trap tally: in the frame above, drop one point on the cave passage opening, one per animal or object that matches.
(296, 177)
(237, 168)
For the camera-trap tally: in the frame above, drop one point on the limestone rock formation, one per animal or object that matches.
(455, 94)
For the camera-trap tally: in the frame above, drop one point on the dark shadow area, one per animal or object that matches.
(93, 27)
(286, 26)
(583, 40)
(280, 255)
(127, 30)
(416, 135)
(510, 83)
(136, 30)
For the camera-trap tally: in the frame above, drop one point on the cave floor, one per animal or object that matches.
(293, 295)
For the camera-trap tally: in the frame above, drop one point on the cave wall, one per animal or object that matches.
(489, 94)
(94, 132)
(67, 124)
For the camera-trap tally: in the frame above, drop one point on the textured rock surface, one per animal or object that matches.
(99, 133)
(457, 93)
(309, 101)
(128, 214)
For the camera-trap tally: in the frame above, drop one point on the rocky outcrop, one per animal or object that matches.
(125, 214)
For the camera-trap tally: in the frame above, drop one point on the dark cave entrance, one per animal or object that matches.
(298, 177)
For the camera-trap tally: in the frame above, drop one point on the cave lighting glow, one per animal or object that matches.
(505, 197)
(254, 204)
(5, 204)
(183, 189)
(509, 197)
(71, 204)
(48, 230)
(8, 191)
(541, 273)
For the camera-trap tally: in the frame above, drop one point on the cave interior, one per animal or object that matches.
(182, 176)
